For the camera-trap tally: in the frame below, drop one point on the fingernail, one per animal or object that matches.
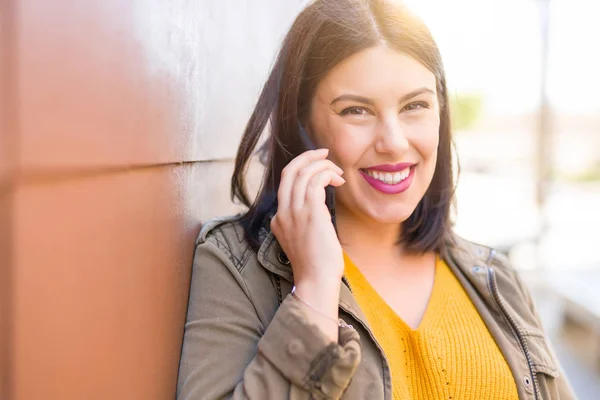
(323, 151)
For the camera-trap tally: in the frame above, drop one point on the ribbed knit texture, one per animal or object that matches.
(451, 355)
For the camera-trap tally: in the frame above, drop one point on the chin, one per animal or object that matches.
(393, 216)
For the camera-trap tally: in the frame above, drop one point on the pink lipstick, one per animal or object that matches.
(389, 188)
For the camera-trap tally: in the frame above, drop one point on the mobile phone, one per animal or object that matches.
(329, 190)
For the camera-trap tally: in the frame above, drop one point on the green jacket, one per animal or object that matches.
(246, 338)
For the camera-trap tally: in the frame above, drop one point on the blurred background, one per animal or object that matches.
(527, 130)
(119, 122)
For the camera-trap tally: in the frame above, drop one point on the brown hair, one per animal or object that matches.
(325, 33)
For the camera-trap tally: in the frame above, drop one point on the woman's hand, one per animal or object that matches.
(303, 227)
(302, 224)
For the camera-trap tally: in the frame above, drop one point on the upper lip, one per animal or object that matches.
(391, 167)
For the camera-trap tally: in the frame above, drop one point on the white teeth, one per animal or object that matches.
(388, 177)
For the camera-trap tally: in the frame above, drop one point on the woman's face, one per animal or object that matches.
(378, 113)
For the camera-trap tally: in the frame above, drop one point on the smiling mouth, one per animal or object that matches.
(389, 178)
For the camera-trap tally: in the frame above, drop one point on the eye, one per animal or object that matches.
(355, 111)
(416, 106)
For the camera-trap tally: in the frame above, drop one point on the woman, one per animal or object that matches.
(392, 305)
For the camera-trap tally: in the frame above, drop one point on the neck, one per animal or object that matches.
(360, 236)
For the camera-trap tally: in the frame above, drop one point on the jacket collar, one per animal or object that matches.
(272, 257)
(471, 263)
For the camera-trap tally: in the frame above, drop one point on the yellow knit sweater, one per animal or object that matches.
(451, 355)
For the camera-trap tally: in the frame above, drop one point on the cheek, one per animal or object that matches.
(427, 146)
(347, 144)
(426, 139)
(345, 154)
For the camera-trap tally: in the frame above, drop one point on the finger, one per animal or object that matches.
(315, 191)
(305, 175)
(288, 176)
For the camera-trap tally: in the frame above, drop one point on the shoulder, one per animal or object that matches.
(228, 235)
(218, 226)
(475, 258)
(223, 252)
(476, 253)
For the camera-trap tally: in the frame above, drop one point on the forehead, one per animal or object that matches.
(377, 71)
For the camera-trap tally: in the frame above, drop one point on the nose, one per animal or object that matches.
(391, 138)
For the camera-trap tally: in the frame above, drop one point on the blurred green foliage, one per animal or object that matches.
(591, 174)
(466, 110)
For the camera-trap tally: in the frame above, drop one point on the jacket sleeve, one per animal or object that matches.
(228, 353)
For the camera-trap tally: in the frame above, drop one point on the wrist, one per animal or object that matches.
(322, 279)
(323, 298)
(321, 289)
(320, 306)
(296, 296)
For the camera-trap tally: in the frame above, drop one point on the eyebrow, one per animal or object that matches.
(366, 100)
